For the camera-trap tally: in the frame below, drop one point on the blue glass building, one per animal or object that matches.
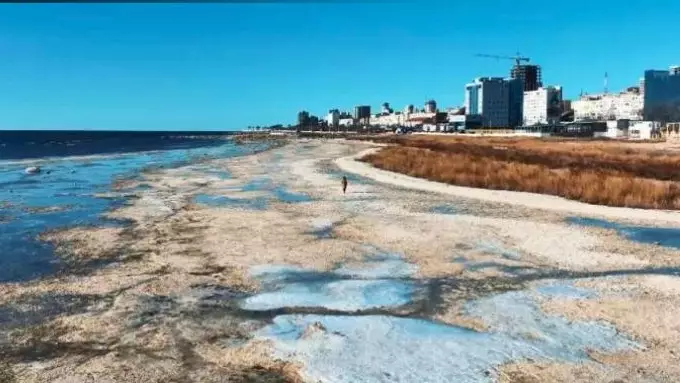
(662, 95)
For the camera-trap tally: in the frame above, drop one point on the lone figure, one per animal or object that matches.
(344, 184)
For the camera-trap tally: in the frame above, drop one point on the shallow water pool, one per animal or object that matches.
(379, 348)
(258, 203)
(668, 237)
(376, 283)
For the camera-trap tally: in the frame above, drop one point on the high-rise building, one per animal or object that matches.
(333, 117)
(566, 105)
(662, 95)
(303, 118)
(430, 106)
(362, 113)
(497, 100)
(542, 106)
(530, 75)
(516, 102)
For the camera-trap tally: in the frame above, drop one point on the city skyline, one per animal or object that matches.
(227, 66)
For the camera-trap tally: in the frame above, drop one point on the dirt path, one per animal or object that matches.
(268, 272)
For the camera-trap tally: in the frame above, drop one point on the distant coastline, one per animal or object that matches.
(22, 144)
(47, 134)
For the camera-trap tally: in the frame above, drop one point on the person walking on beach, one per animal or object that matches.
(344, 184)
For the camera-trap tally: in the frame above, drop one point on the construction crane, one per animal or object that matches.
(518, 58)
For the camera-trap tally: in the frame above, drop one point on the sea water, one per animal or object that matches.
(63, 193)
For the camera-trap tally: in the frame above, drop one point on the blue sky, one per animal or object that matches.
(225, 66)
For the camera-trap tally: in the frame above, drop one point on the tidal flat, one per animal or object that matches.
(257, 267)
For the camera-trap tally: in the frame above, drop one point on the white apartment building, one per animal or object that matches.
(616, 106)
(419, 118)
(333, 117)
(392, 119)
(542, 106)
(346, 122)
(402, 119)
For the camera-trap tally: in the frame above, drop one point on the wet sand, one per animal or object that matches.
(221, 257)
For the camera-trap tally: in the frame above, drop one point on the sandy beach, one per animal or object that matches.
(267, 272)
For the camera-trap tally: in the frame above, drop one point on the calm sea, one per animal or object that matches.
(74, 167)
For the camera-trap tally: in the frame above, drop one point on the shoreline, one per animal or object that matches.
(196, 289)
(530, 200)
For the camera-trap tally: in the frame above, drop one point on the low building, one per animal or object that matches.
(671, 131)
(346, 121)
(410, 120)
(387, 119)
(615, 106)
(568, 129)
(616, 129)
(464, 122)
(459, 110)
(644, 130)
(417, 119)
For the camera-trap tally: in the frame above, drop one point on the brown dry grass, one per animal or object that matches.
(596, 172)
(635, 159)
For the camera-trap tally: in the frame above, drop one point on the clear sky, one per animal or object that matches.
(225, 66)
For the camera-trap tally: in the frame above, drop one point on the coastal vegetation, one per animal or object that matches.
(591, 171)
(251, 137)
(6, 373)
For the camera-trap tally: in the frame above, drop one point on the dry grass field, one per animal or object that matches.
(596, 172)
